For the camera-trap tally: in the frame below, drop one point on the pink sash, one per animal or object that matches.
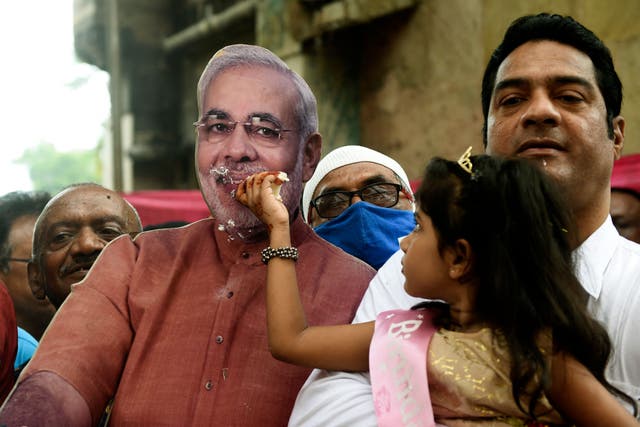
(398, 368)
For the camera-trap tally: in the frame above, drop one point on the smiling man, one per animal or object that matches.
(71, 232)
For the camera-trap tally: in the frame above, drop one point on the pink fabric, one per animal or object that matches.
(626, 173)
(398, 367)
(159, 206)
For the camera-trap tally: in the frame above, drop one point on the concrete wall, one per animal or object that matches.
(400, 76)
(419, 73)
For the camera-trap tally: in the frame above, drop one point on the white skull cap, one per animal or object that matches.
(347, 155)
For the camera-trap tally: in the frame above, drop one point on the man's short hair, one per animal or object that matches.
(13, 206)
(565, 30)
(242, 55)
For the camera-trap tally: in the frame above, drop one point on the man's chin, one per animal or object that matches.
(231, 216)
(237, 221)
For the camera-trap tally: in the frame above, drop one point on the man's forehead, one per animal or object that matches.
(544, 59)
(84, 205)
(83, 194)
(355, 175)
(247, 89)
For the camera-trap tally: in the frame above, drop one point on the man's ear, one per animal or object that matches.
(35, 280)
(460, 261)
(618, 136)
(312, 152)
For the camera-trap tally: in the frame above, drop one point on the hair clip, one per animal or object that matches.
(465, 161)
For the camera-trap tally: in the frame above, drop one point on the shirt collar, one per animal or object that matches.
(593, 256)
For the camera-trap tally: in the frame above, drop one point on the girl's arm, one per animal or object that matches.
(580, 397)
(343, 347)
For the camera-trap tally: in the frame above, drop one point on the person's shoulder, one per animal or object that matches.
(624, 266)
(393, 266)
(162, 243)
(174, 234)
(629, 249)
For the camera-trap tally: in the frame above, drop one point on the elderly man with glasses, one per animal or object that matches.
(370, 230)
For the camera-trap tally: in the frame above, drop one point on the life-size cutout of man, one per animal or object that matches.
(171, 325)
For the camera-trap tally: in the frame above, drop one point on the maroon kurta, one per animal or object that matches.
(8, 341)
(173, 324)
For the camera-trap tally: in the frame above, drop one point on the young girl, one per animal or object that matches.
(505, 334)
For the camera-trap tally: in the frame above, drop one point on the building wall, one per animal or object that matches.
(400, 76)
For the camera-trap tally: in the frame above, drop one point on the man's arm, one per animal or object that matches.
(577, 394)
(57, 403)
(332, 399)
(86, 345)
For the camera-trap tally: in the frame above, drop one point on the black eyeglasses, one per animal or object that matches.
(332, 204)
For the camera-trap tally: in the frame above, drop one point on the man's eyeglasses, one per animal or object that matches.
(216, 128)
(332, 204)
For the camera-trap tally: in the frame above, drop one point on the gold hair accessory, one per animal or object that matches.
(465, 161)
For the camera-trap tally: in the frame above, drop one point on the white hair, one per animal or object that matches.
(242, 55)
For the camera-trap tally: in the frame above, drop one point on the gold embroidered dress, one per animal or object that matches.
(469, 382)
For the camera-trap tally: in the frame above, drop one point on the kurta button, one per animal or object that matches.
(208, 385)
(219, 339)
(229, 294)
(245, 255)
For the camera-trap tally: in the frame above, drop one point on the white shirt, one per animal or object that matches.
(608, 267)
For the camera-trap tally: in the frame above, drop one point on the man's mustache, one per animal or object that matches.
(79, 262)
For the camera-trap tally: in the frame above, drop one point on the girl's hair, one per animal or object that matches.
(520, 233)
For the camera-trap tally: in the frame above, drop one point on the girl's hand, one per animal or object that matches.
(260, 192)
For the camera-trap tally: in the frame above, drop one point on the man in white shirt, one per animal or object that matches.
(550, 93)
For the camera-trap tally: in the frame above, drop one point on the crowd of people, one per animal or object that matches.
(504, 292)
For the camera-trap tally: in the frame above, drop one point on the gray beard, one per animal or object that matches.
(236, 219)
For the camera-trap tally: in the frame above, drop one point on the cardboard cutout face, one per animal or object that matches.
(240, 95)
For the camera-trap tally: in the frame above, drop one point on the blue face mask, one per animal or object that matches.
(368, 232)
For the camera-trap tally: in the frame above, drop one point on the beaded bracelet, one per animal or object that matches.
(286, 253)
